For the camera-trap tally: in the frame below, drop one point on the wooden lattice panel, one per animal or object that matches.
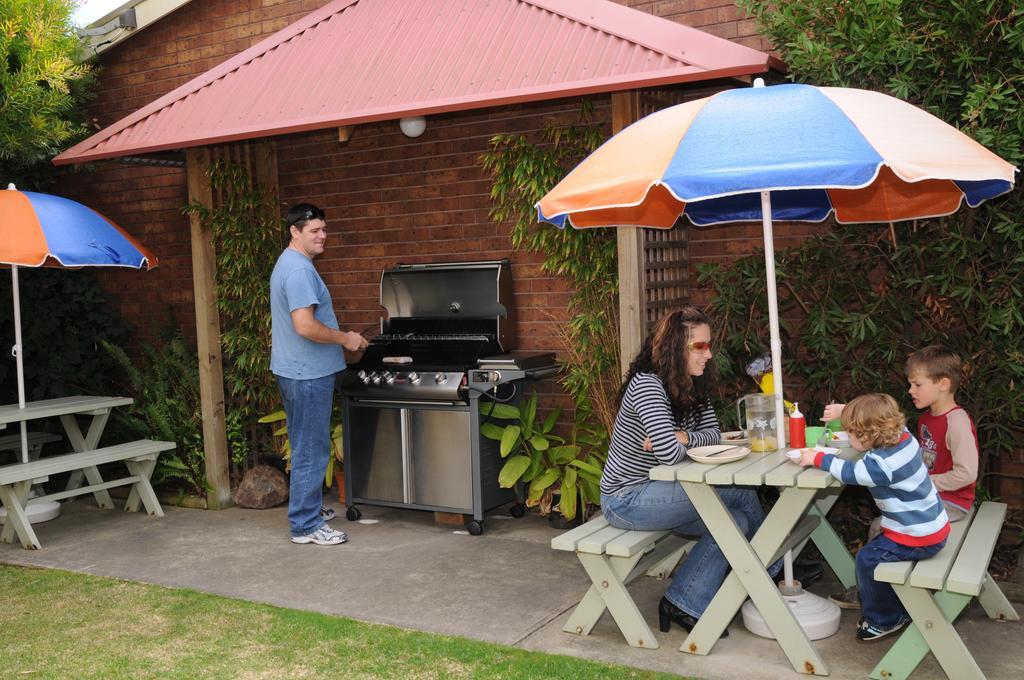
(666, 254)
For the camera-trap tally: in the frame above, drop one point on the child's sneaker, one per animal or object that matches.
(327, 514)
(847, 599)
(322, 536)
(867, 632)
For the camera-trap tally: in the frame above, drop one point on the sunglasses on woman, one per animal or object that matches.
(699, 345)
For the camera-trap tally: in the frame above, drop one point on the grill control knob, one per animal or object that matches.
(375, 378)
(440, 378)
(414, 377)
(389, 377)
(362, 376)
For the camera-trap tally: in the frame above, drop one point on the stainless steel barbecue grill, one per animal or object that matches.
(411, 405)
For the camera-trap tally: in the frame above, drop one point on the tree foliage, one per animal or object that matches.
(866, 296)
(43, 79)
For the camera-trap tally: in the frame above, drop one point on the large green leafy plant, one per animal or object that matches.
(867, 296)
(546, 462)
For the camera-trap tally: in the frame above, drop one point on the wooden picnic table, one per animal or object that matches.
(68, 409)
(805, 497)
(16, 479)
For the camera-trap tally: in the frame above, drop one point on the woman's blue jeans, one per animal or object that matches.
(307, 405)
(658, 505)
(882, 608)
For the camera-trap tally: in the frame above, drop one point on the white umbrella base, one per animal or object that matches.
(817, 616)
(37, 511)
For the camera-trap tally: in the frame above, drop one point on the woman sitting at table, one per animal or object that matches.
(665, 409)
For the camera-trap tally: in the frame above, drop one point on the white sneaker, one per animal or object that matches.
(322, 536)
(327, 514)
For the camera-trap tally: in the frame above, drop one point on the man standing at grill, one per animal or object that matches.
(306, 354)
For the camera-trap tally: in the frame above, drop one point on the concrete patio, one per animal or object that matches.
(506, 586)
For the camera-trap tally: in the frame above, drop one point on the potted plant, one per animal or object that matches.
(335, 464)
(561, 475)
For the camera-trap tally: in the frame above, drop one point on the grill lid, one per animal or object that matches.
(457, 305)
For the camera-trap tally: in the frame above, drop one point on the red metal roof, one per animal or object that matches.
(354, 61)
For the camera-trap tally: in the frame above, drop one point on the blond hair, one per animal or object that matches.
(875, 419)
(936, 362)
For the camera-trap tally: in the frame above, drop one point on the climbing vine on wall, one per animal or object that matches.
(248, 239)
(523, 169)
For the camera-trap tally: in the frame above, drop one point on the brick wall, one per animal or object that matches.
(389, 199)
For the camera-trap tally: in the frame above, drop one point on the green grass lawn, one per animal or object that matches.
(57, 624)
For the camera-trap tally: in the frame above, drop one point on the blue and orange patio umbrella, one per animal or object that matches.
(42, 230)
(786, 152)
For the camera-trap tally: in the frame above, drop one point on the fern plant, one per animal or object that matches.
(167, 407)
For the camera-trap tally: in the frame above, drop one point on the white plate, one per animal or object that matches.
(719, 453)
(795, 453)
(737, 438)
(839, 437)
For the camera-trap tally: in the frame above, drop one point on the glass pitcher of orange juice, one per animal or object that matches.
(756, 414)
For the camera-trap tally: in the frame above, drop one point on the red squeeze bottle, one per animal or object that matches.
(797, 428)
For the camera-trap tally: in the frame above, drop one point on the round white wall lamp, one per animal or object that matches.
(413, 126)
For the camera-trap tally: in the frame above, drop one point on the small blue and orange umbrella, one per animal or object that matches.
(42, 230)
(786, 152)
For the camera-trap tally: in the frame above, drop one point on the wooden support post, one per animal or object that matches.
(626, 110)
(211, 370)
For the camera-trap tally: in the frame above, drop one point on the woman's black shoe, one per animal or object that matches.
(668, 612)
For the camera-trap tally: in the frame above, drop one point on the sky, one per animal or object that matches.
(90, 10)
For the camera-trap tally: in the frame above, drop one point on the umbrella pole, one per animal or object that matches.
(776, 340)
(773, 316)
(16, 351)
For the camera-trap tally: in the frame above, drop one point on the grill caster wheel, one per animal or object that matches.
(517, 510)
(352, 514)
(476, 528)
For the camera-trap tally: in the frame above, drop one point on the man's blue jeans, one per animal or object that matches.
(308, 405)
(659, 505)
(882, 608)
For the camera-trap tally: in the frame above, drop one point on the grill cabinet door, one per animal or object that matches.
(442, 466)
(375, 461)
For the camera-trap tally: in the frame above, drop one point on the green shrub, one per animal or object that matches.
(65, 315)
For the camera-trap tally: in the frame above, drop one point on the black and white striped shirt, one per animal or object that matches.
(646, 412)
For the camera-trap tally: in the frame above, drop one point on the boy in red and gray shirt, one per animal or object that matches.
(949, 440)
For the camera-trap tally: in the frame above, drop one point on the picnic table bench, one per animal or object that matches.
(936, 590)
(16, 480)
(613, 558)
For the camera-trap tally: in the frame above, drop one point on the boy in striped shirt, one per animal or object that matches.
(914, 521)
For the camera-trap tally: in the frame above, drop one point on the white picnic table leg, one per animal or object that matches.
(142, 489)
(592, 606)
(933, 616)
(828, 542)
(80, 443)
(749, 575)
(994, 602)
(659, 562)
(610, 586)
(14, 497)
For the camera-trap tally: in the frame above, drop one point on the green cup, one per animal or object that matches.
(813, 434)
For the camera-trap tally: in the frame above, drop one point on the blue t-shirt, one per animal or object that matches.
(295, 284)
